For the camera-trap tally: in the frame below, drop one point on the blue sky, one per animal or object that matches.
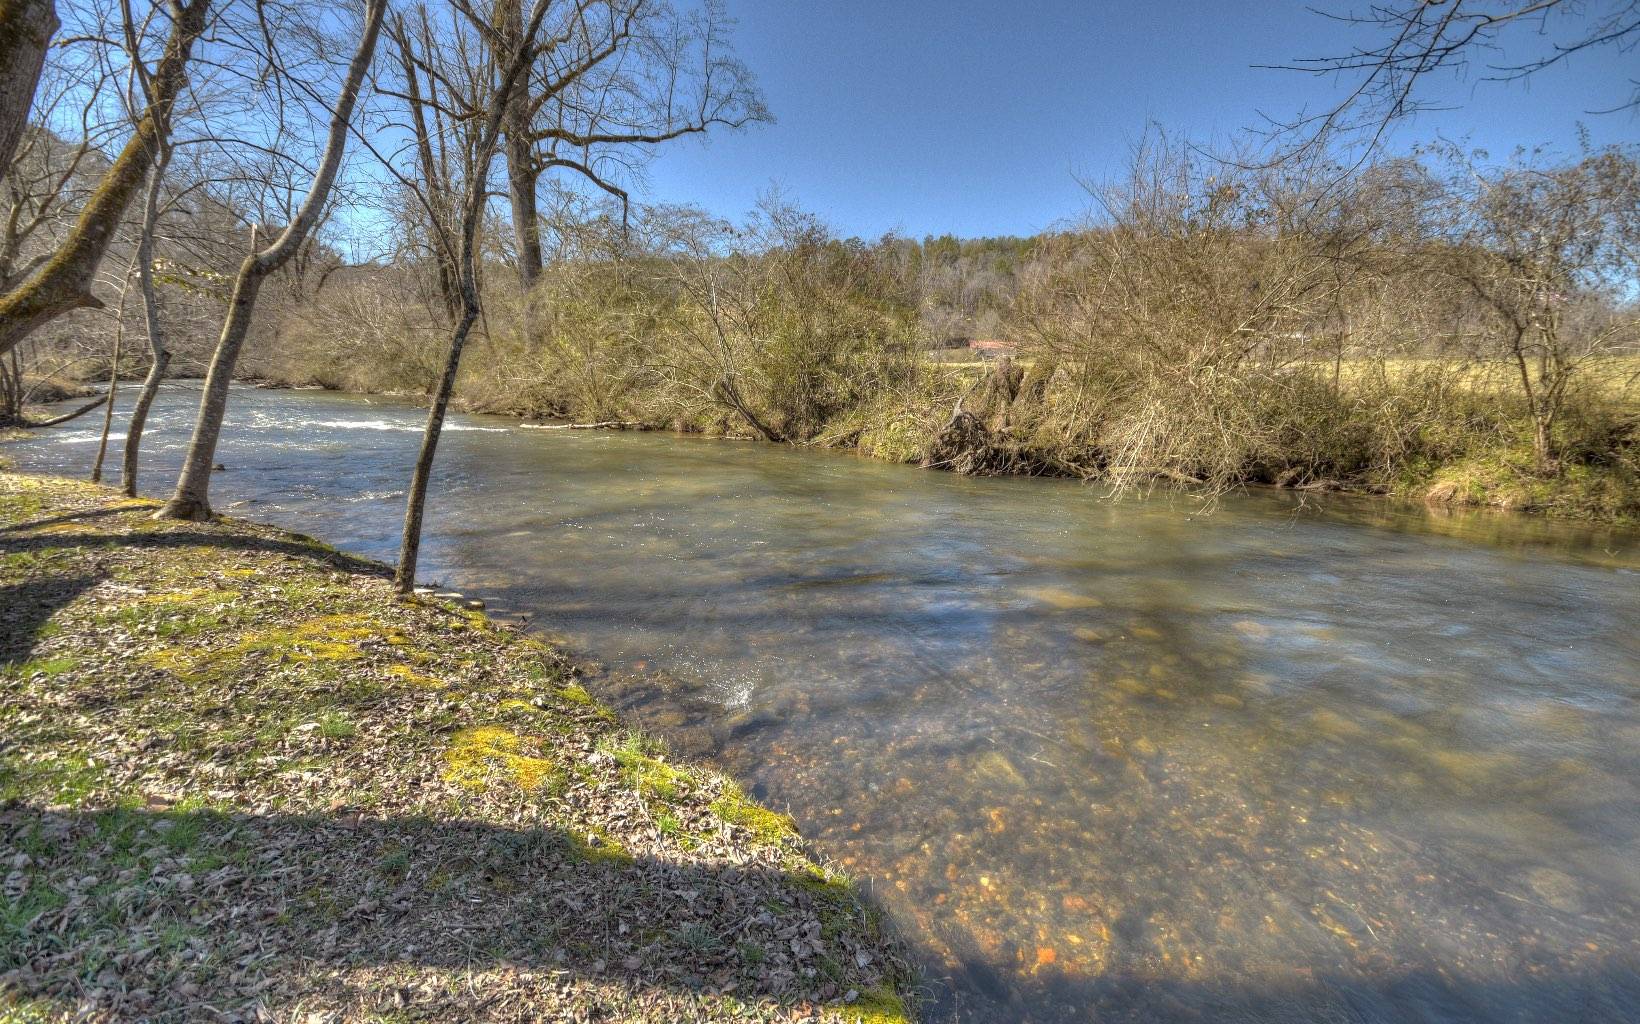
(974, 118)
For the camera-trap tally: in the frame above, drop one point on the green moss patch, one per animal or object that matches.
(767, 826)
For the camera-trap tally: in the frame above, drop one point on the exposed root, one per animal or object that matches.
(966, 445)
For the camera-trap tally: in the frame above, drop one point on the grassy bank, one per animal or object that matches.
(1441, 434)
(1477, 454)
(239, 781)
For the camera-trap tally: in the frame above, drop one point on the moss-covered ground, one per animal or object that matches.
(239, 780)
(1506, 479)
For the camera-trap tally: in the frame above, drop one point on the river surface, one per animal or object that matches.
(1099, 760)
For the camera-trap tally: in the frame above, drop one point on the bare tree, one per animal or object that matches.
(444, 154)
(482, 105)
(1528, 242)
(191, 498)
(621, 76)
(159, 354)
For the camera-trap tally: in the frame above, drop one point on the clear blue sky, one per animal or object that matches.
(969, 117)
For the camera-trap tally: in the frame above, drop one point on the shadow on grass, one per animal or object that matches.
(162, 902)
(161, 537)
(26, 607)
(66, 517)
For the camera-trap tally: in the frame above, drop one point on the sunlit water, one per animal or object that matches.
(1099, 760)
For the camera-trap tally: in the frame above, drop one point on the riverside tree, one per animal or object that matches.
(1528, 242)
(477, 98)
(191, 499)
(159, 353)
(564, 86)
(621, 76)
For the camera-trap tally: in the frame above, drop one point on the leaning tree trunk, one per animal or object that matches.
(191, 500)
(70, 415)
(26, 27)
(522, 53)
(404, 578)
(160, 356)
(64, 283)
(728, 393)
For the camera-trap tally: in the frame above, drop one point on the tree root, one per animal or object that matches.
(966, 445)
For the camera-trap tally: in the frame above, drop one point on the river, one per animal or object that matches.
(1098, 760)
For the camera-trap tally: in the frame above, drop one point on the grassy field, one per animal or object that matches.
(240, 781)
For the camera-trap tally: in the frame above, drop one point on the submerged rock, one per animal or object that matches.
(1061, 598)
(1556, 888)
(996, 769)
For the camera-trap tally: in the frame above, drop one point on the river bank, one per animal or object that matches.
(1596, 482)
(238, 775)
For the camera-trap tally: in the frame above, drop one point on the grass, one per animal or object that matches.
(1506, 479)
(237, 773)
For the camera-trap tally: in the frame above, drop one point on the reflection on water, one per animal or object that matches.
(1098, 760)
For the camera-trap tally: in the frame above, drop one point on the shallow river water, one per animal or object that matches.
(1100, 761)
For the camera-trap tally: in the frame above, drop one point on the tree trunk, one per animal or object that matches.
(75, 414)
(523, 171)
(521, 53)
(191, 500)
(64, 283)
(729, 395)
(108, 411)
(11, 390)
(522, 176)
(26, 27)
(139, 418)
(160, 355)
(1543, 448)
(404, 578)
(113, 379)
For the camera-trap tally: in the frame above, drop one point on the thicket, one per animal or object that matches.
(1434, 326)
